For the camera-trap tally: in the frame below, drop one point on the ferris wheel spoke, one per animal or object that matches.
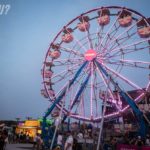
(71, 51)
(134, 64)
(73, 90)
(106, 82)
(95, 93)
(122, 34)
(80, 90)
(67, 60)
(125, 64)
(109, 30)
(120, 41)
(72, 80)
(130, 45)
(79, 107)
(127, 51)
(68, 75)
(80, 44)
(89, 40)
(99, 35)
(78, 41)
(82, 106)
(69, 63)
(65, 71)
(61, 89)
(109, 38)
(91, 90)
(135, 61)
(82, 74)
(64, 76)
(88, 36)
(148, 87)
(122, 77)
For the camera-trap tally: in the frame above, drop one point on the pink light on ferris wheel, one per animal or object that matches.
(90, 54)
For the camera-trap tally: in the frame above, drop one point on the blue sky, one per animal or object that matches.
(25, 34)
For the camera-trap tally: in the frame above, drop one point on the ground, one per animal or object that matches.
(19, 147)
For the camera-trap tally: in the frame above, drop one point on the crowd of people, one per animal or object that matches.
(9, 137)
(130, 141)
(81, 139)
(88, 141)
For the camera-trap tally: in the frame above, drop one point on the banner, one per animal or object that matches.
(131, 147)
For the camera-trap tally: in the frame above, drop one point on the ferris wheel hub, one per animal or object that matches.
(90, 55)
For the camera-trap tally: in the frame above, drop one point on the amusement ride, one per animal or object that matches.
(93, 64)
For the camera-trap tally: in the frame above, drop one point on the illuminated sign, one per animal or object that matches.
(32, 123)
(90, 54)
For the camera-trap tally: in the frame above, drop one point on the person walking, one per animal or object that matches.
(38, 142)
(69, 142)
(60, 140)
(139, 142)
(80, 140)
(2, 141)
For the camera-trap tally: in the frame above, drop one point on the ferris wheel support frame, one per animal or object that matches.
(102, 45)
(138, 113)
(50, 109)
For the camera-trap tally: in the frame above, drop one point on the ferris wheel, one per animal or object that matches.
(98, 57)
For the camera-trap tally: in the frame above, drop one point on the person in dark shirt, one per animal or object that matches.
(2, 141)
(139, 142)
(107, 145)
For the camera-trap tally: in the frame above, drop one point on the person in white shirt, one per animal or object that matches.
(60, 140)
(89, 140)
(147, 141)
(69, 142)
(80, 140)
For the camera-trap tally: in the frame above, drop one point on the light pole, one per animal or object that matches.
(28, 118)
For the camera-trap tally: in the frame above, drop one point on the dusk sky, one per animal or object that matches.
(27, 28)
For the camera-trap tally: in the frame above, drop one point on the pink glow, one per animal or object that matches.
(91, 95)
(148, 87)
(80, 117)
(107, 116)
(124, 109)
(90, 54)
